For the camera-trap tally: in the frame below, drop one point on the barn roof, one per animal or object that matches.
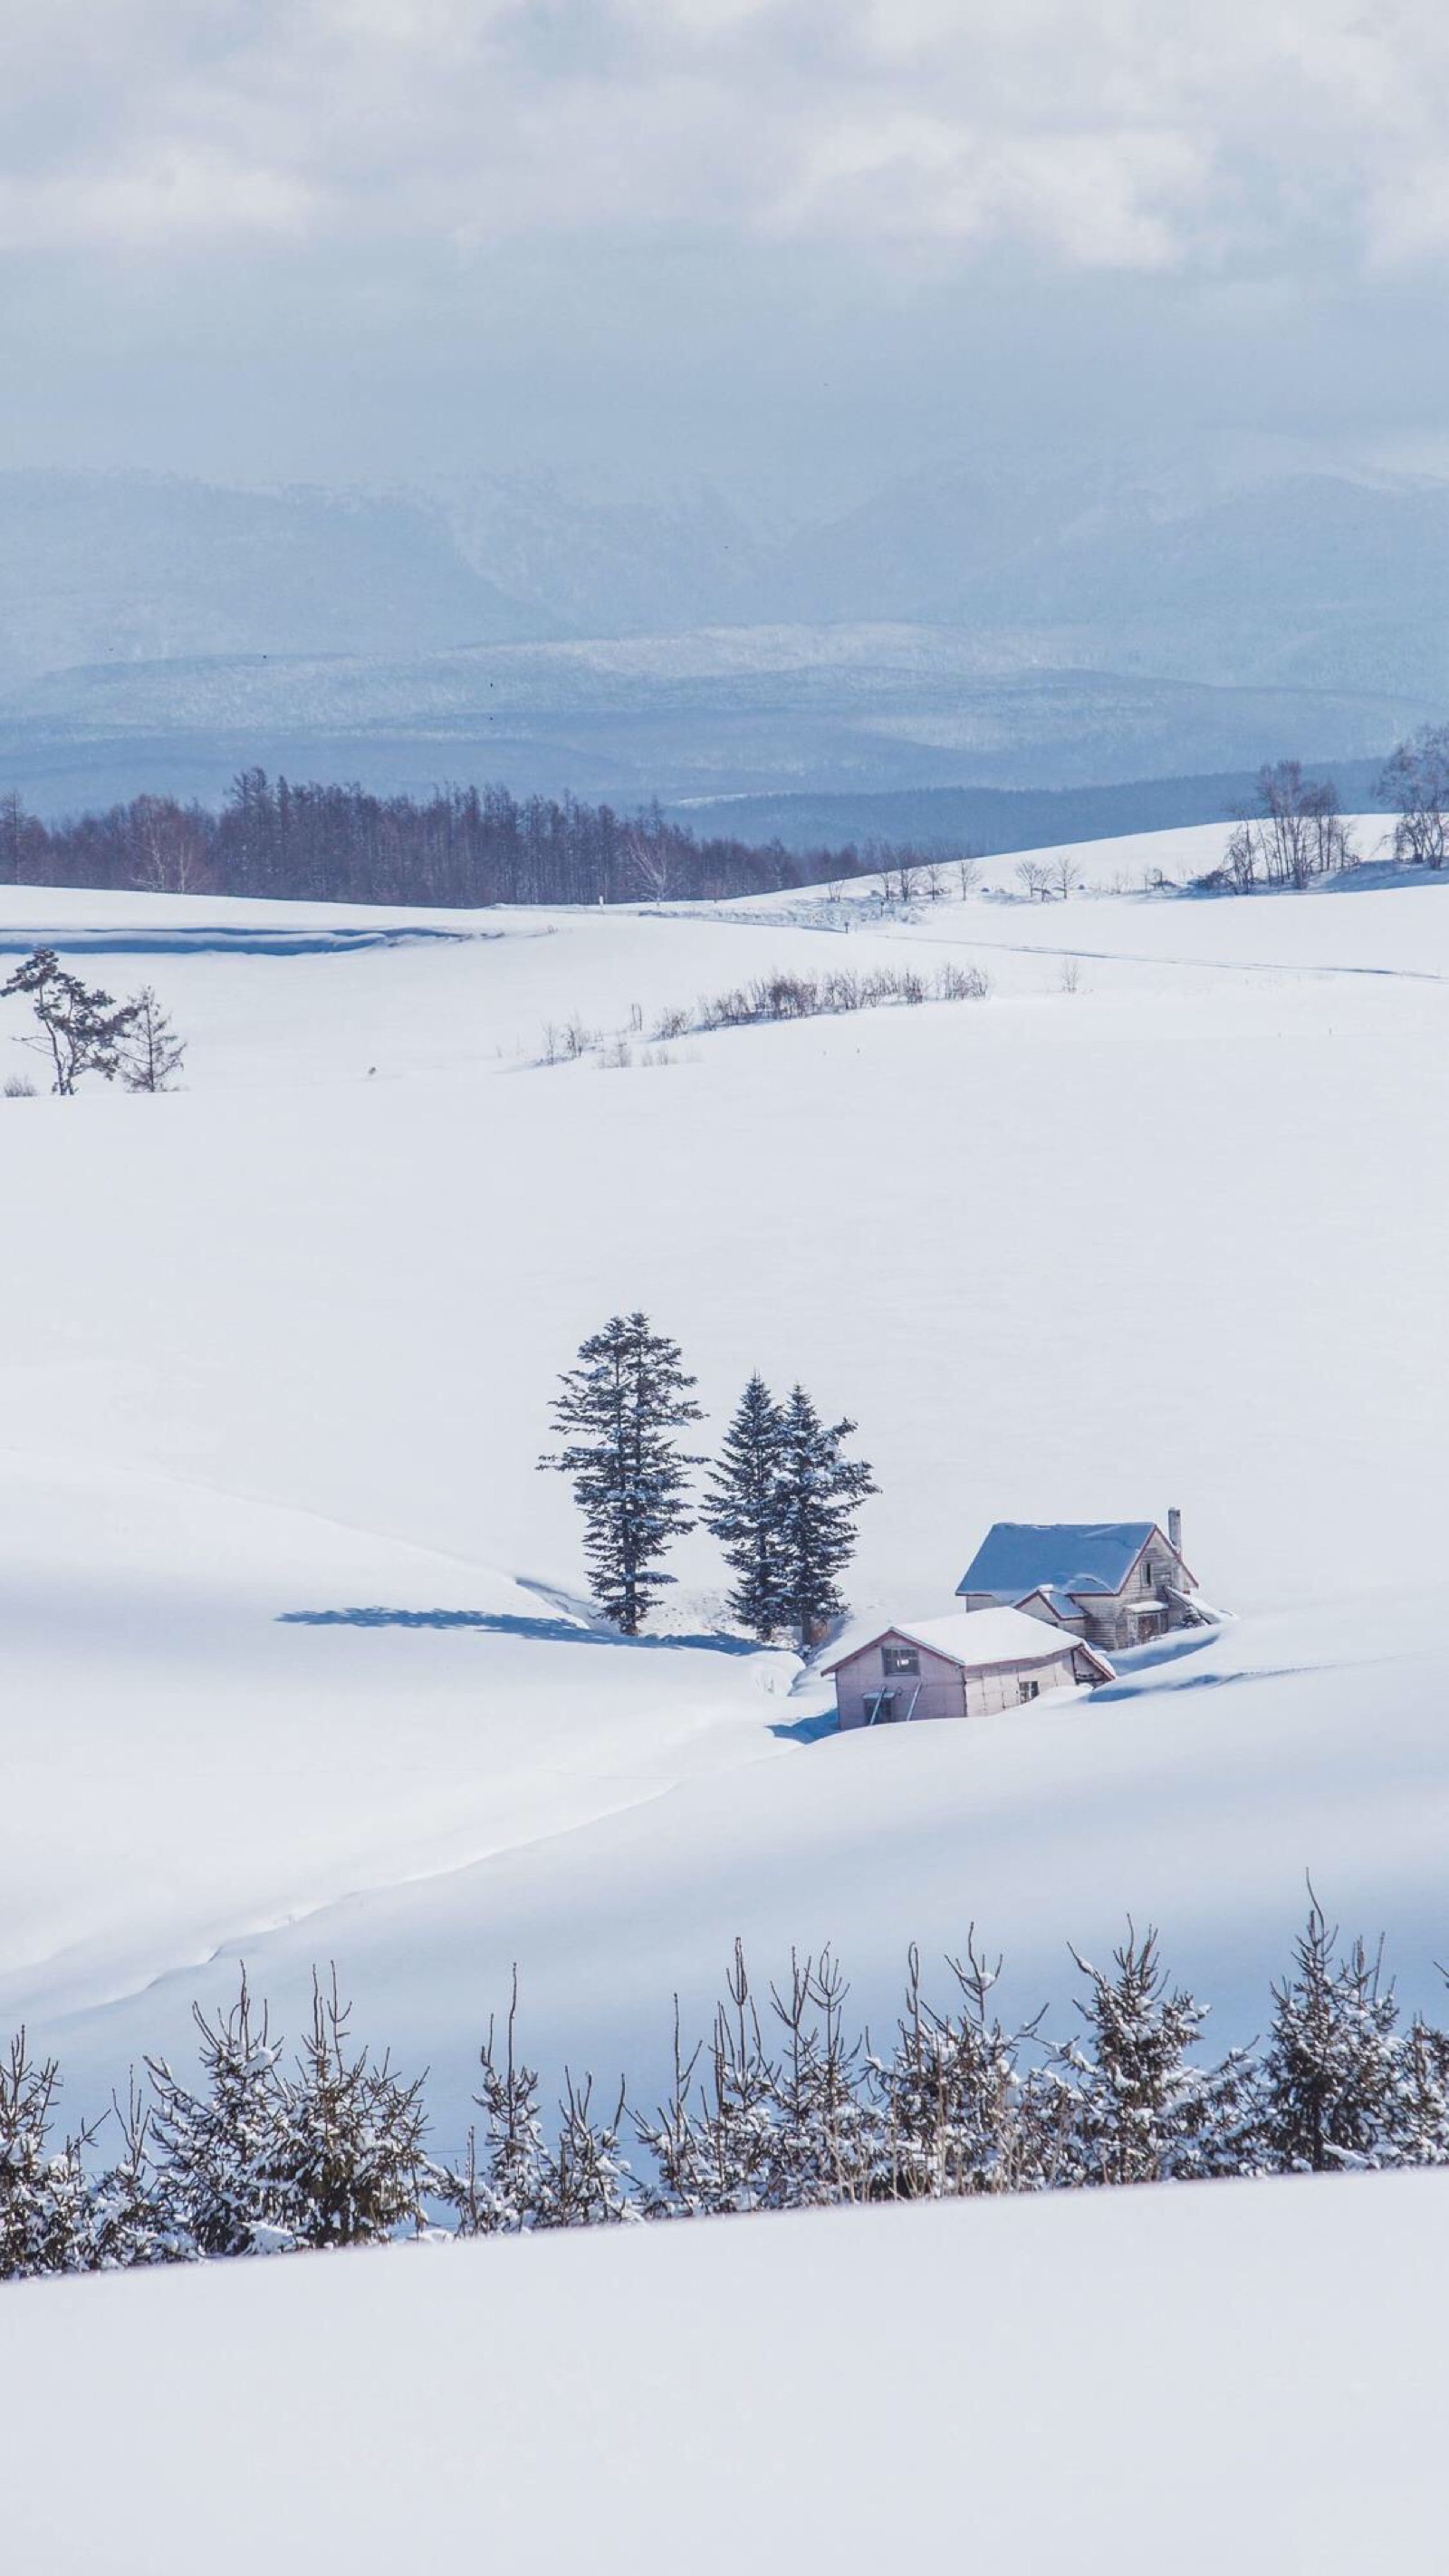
(979, 1639)
(1017, 1557)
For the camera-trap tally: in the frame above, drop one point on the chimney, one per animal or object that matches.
(1174, 1530)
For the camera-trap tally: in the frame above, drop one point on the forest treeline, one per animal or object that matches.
(461, 846)
(782, 2106)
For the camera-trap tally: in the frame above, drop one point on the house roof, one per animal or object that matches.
(1017, 1557)
(1056, 1600)
(979, 1639)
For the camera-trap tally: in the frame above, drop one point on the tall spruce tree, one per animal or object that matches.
(624, 1401)
(817, 1496)
(1138, 2109)
(743, 1510)
(1332, 2074)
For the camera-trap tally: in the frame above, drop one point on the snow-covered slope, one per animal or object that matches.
(1189, 2379)
(292, 1658)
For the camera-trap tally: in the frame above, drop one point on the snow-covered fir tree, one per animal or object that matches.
(818, 1495)
(44, 2215)
(222, 2154)
(623, 1403)
(1423, 2106)
(957, 2117)
(130, 2219)
(586, 2181)
(744, 1510)
(1332, 2071)
(827, 2143)
(1139, 2110)
(500, 2188)
(352, 2152)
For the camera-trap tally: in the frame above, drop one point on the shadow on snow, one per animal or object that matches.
(498, 1623)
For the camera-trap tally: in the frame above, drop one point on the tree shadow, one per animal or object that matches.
(498, 1623)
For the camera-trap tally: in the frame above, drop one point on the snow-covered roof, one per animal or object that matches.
(1017, 1557)
(977, 1639)
(1051, 1593)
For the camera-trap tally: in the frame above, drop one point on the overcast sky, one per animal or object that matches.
(804, 241)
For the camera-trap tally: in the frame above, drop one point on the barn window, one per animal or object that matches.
(1028, 1690)
(900, 1659)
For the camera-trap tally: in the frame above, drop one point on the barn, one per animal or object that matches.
(973, 1665)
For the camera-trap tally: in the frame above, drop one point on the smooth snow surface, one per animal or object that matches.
(1164, 2382)
(294, 1658)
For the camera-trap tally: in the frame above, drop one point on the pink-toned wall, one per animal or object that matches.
(942, 1689)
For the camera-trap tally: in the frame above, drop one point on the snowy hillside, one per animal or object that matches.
(1188, 2379)
(296, 1662)
(295, 1652)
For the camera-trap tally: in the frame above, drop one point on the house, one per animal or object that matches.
(1113, 1583)
(972, 1665)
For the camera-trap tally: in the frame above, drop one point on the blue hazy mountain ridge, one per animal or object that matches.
(959, 629)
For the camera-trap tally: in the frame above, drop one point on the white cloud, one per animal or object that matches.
(1113, 134)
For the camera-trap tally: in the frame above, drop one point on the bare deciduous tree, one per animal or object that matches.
(1416, 781)
(151, 1054)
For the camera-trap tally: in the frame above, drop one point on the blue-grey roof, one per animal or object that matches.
(1017, 1557)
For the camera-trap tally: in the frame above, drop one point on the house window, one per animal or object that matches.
(900, 1659)
(1028, 1690)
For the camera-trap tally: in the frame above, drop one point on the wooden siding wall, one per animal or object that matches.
(945, 1691)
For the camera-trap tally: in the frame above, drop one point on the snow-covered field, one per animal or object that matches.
(1167, 2383)
(295, 1664)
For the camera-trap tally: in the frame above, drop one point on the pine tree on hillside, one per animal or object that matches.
(1333, 2073)
(625, 1399)
(43, 2205)
(222, 2153)
(500, 2193)
(352, 2154)
(1139, 2110)
(818, 1495)
(743, 1511)
(81, 1029)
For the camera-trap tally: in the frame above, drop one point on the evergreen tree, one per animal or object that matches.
(817, 1495)
(501, 2194)
(1139, 2111)
(1332, 2072)
(43, 2208)
(827, 2144)
(223, 2153)
(743, 1511)
(130, 2221)
(957, 2116)
(81, 1030)
(151, 1054)
(352, 2155)
(624, 1400)
(1423, 2126)
(586, 2182)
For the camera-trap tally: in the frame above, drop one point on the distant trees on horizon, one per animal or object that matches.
(460, 846)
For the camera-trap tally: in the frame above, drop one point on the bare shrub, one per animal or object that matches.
(672, 1024)
(17, 1088)
(1071, 975)
(962, 983)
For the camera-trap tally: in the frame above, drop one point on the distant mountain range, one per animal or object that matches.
(957, 630)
